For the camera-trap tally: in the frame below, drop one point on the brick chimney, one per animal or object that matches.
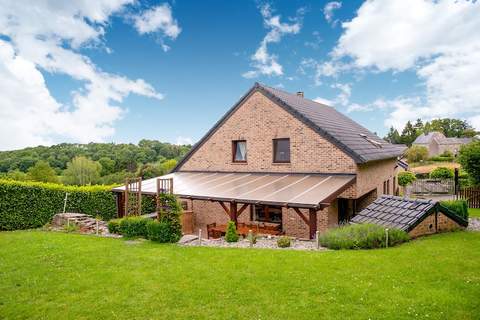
(300, 94)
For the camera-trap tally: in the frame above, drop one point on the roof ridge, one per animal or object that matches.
(293, 95)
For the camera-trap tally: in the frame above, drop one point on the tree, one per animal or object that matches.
(168, 165)
(42, 172)
(451, 127)
(82, 171)
(393, 136)
(409, 134)
(469, 158)
(405, 178)
(417, 153)
(108, 166)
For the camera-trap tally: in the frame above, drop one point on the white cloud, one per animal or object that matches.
(183, 140)
(439, 40)
(160, 20)
(46, 36)
(329, 9)
(263, 62)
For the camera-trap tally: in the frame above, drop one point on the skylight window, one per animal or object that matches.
(373, 142)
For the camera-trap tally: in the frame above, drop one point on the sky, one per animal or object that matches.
(126, 70)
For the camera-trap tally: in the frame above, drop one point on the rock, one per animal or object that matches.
(187, 238)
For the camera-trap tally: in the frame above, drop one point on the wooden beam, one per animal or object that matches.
(313, 223)
(302, 216)
(233, 212)
(242, 209)
(224, 207)
(120, 204)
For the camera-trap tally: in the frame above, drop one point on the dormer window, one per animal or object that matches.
(239, 151)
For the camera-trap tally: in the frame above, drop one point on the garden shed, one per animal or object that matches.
(418, 217)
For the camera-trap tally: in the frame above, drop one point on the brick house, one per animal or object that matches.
(437, 143)
(278, 159)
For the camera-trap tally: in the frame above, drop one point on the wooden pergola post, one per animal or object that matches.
(120, 204)
(312, 226)
(233, 213)
(311, 221)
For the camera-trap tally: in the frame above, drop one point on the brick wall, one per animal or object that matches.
(258, 121)
(371, 176)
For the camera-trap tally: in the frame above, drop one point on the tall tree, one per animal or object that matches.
(393, 136)
(82, 171)
(42, 172)
(409, 134)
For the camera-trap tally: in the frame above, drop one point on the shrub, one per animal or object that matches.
(133, 227)
(114, 226)
(231, 235)
(442, 158)
(161, 231)
(283, 242)
(362, 236)
(405, 178)
(460, 207)
(417, 153)
(442, 173)
(72, 227)
(469, 158)
(170, 214)
(26, 205)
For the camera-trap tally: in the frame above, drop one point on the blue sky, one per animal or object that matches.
(379, 63)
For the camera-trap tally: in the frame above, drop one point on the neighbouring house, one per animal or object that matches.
(416, 216)
(279, 163)
(437, 143)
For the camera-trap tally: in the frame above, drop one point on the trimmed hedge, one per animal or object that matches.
(26, 205)
(460, 207)
(362, 236)
(133, 227)
(161, 231)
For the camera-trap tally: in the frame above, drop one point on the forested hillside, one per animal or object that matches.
(104, 162)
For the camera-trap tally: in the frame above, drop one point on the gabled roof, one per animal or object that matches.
(356, 141)
(402, 213)
(426, 138)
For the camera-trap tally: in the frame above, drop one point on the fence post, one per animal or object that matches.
(456, 182)
(199, 237)
(386, 238)
(317, 238)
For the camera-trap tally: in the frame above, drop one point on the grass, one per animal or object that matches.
(474, 213)
(69, 276)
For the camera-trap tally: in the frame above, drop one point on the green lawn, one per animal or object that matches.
(65, 276)
(474, 213)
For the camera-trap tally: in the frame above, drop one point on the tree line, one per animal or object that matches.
(92, 163)
(449, 127)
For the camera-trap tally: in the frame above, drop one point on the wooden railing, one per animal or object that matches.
(471, 194)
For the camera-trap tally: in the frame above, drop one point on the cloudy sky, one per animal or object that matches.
(123, 70)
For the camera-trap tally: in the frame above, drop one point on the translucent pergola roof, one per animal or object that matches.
(286, 189)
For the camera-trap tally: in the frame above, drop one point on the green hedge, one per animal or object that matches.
(26, 205)
(460, 207)
(362, 236)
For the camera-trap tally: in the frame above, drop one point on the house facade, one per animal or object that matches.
(279, 159)
(437, 143)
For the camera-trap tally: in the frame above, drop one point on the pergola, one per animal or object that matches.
(312, 191)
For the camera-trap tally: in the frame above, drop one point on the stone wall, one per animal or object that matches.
(427, 226)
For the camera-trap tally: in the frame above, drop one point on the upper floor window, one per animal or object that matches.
(239, 149)
(281, 150)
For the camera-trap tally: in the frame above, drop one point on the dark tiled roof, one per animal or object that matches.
(395, 212)
(356, 141)
(347, 134)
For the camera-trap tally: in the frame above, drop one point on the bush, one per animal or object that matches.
(170, 214)
(405, 178)
(283, 242)
(442, 173)
(133, 227)
(469, 158)
(362, 236)
(161, 231)
(460, 207)
(26, 205)
(231, 235)
(442, 158)
(114, 226)
(417, 153)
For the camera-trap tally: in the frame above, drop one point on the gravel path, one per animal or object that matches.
(262, 243)
(474, 224)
